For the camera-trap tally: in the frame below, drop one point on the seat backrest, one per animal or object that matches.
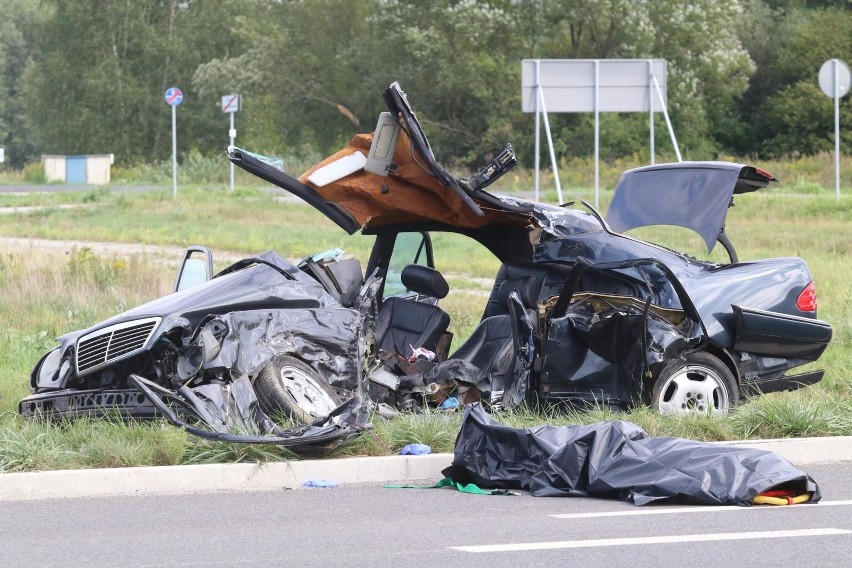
(491, 346)
(515, 270)
(486, 341)
(512, 278)
(341, 278)
(405, 324)
(526, 288)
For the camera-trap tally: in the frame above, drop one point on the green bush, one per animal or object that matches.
(34, 173)
(84, 266)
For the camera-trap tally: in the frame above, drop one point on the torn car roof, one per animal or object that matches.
(410, 195)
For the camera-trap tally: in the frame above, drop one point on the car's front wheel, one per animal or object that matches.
(290, 387)
(698, 383)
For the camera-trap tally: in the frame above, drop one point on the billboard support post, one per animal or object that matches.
(231, 136)
(541, 109)
(666, 116)
(836, 69)
(651, 113)
(537, 126)
(550, 146)
(597, 131)
(593, 85)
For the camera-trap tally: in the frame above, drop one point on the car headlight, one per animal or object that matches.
(48, 368)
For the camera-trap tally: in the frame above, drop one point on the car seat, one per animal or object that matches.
(403, 324)
(491, 346)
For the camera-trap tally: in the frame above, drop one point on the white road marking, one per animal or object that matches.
(694, 509)
(594, 543)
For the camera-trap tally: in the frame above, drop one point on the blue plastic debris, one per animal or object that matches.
(331, 254)
(415, 450)
(450, 404)
(320, 483)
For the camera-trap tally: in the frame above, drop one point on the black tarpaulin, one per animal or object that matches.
(616, 459)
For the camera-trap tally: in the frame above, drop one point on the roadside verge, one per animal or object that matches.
(166, 480)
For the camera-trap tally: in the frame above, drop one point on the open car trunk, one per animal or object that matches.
(694, 195)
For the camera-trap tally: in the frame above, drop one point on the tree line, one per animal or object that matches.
(88, 76)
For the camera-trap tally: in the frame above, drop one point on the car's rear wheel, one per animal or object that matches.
(698, 383)
(290, 387)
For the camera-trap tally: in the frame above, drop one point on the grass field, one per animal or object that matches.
(44, 293)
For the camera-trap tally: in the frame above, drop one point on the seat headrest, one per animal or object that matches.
(425, 280)
(526, 287)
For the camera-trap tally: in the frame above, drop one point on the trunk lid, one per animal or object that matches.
(694, 195)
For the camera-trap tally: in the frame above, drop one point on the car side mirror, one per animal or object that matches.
(196, 268)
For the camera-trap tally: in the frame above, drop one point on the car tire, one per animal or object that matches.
(699, 382)
(289, 387)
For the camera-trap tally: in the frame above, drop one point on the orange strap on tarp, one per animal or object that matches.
(776, 497)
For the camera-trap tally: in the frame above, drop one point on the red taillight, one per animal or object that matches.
(806, 301)
(765, 174)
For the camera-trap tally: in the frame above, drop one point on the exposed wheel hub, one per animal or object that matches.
(309, 395)
(694, 388)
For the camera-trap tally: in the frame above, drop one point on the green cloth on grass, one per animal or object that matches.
(447, 482)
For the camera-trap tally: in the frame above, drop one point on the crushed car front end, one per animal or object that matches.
(193, 356)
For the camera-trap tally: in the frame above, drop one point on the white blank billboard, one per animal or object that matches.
(568, 85)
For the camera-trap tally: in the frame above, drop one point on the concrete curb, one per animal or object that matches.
(170, 480)
(167, 480)
(803, 451)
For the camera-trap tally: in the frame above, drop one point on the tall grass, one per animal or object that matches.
(27, 445)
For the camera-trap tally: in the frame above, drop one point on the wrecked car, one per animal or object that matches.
(579, 313)
(260, 353)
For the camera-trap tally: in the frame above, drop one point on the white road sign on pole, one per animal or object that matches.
(232, 103)
(174, 97)
(834, 80)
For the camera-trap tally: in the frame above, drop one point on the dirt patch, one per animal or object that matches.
(37, 208)
(167, 255)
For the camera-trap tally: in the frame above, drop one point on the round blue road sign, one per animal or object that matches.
(173, 96)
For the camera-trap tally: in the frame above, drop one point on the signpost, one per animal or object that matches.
(834, 80)
(231, 104)
(174, 97)
(593, 85)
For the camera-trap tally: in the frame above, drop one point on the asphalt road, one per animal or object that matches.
(374, 526)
